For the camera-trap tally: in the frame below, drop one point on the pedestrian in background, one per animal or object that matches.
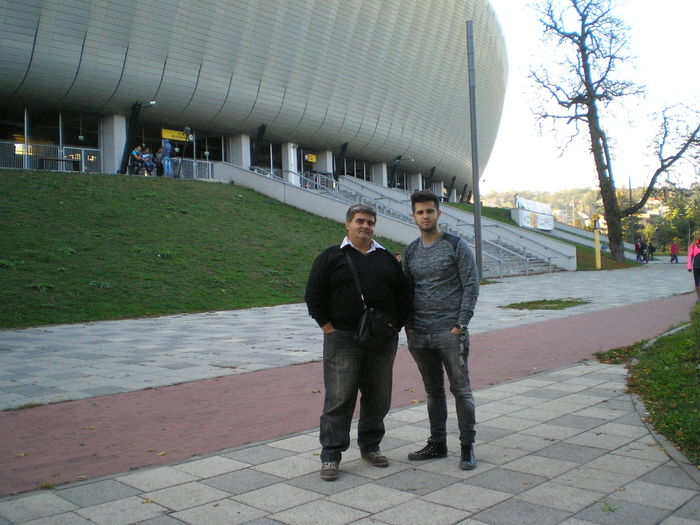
(694, 262)
(674, 252)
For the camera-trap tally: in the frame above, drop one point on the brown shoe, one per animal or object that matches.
(376, 459)
(329, 471)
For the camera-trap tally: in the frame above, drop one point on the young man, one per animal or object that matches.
(441, 268)
(334, 302)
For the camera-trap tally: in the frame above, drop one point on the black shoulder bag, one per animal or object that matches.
(376, 328)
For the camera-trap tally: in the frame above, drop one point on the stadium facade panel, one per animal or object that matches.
(384, 77)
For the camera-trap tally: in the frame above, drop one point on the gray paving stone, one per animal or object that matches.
(319, 512)
(241, 481)
(371, 497)
(89, 494)
(661, 496)
(418, 511)
(507, 481)
(122, 512)
(610, 511)
(595, 480)
(225, 512)
(561, 497)
(690, 510)
(570, 452)
(185, 496)
(314, 483)
(417, 481)
(289, 467)
(69, 518)
(625, 465)
(547, 393)
(162, 520)
(278, 497)
(672, 476)
(156, 478)
(211, 466)
(578, 421)
(258, 454)
(498, 455)
(518, 512)
(540, 466)
(466, 497)
(35, 505)
(486, 433)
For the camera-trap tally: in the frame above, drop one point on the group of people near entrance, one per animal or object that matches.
(432, 292)
(159, 164)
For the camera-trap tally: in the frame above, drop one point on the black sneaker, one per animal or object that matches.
(468, 459)
(432, 450)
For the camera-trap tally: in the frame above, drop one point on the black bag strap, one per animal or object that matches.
(357, 279)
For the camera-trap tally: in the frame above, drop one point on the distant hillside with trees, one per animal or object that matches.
(670, 213)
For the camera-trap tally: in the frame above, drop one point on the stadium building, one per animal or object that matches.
(376, 89)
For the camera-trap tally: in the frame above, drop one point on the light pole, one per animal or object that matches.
(475, 149)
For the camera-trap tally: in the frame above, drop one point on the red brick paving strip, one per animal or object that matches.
(107, 435)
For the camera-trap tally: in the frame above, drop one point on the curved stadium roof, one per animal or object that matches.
(388, 77)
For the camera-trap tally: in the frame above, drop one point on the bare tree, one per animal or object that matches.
(594, 43)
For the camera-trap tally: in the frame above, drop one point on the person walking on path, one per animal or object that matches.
(334, 302)
(694, 262)
(674, 252)
(442, 272)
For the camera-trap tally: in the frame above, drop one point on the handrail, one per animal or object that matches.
(390, 207)
(450, 212)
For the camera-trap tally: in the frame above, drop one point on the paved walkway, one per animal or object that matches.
(564, 446)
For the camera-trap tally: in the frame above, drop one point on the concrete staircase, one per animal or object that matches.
(506, 250)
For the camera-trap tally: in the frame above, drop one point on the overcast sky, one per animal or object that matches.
(662, 38)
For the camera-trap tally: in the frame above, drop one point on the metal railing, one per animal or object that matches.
(386, 206)
(191, 169)
(34, 156)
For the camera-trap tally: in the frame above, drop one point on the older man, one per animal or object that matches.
(333, 300)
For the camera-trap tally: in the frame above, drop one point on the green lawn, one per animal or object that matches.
(91, 247)
(666, 375)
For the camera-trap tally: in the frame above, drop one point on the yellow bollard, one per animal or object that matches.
(596, 237)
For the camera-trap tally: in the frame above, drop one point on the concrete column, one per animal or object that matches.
(415, 182)
(239, 148)
(324, 161)
(380, 174)
(289, 163)
(439, 188)
(453, 195)
(112, 142)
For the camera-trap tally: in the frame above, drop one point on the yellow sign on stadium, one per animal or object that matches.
(173, 135)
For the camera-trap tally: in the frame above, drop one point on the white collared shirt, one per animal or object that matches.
(374, 246)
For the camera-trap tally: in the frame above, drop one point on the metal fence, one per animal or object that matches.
(34, 156)
(185, 169)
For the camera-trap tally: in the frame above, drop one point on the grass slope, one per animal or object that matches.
(77, 247)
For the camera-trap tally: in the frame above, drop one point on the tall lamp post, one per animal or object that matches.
(475, 148)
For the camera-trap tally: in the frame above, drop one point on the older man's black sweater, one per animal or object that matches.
(331, 293)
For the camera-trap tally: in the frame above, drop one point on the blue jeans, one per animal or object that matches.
(432, 352)
(167, 167)
(347, 369)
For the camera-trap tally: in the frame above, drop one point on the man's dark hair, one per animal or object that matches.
(424, 196)
(360, 208)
